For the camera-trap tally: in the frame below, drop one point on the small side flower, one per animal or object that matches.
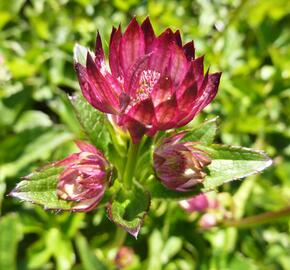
(180, 165)
(85, 177)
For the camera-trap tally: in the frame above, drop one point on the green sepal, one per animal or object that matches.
(40, 188)
(93, 122)
(129, 208)
(204, 133)
(158, 191)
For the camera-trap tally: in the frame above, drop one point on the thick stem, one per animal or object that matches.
(258, 219)
(130, 164)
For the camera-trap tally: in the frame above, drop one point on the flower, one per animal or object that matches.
(179, 165)
(154, 83)
(199, 203)
(124, 257)
(84, 177)
(207, 221)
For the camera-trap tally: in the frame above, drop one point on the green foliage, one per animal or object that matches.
(205, 133)
(232, 163)
(10, 235)
(129, 208)
(93, 123)
(40, 188)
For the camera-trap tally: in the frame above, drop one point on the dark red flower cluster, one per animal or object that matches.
(154, 82)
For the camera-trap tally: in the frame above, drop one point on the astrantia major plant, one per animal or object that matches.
(134, 109)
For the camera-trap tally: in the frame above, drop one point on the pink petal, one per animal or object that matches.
(189, 50)
(68, 160)
(160, 56)
(88, 204)
(162, 91)
(89, 92)
(197, 66)
(102, 88)
(99, 52)
(149, 35)
(139, 119)
(86, 147)
(114, 48)
(178, 65)
(132, 78)
(166, 114)
(132, 45)
(178, 38)
(209, 91)
(143, 112)
(124, 101)
(187, 100)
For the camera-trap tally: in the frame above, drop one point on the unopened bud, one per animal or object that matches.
(179, 165)
(84, 177)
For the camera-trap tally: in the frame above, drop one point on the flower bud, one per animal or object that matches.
(84, 177)
(208, 221)
(179, 165)
(197, 203)
(124, 257)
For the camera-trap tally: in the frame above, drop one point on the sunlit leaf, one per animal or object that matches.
(93, 122)
(40, 188)
(129, 208)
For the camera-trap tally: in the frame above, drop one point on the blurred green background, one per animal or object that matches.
(249, 41)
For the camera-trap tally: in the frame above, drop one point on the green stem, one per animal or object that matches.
(258, 219)
(120, 237)
(132, 157)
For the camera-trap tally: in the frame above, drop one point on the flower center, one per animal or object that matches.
(147, 81)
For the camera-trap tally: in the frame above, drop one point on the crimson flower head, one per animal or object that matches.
(154, 82)
(179, 165)
(84, 177)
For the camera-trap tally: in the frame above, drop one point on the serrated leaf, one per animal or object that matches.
(204, 133)
(93, 122)
(232, 163)
(40, 188)
(129, 208)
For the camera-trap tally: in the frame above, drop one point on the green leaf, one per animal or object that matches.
(231, 163)
(38, 145)
(88, 258)
(129, 208)
(31, 119)
(204, 133)
(158, 191)
(61, 249)
(40, 188)
(93, 122)
(10, 235)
